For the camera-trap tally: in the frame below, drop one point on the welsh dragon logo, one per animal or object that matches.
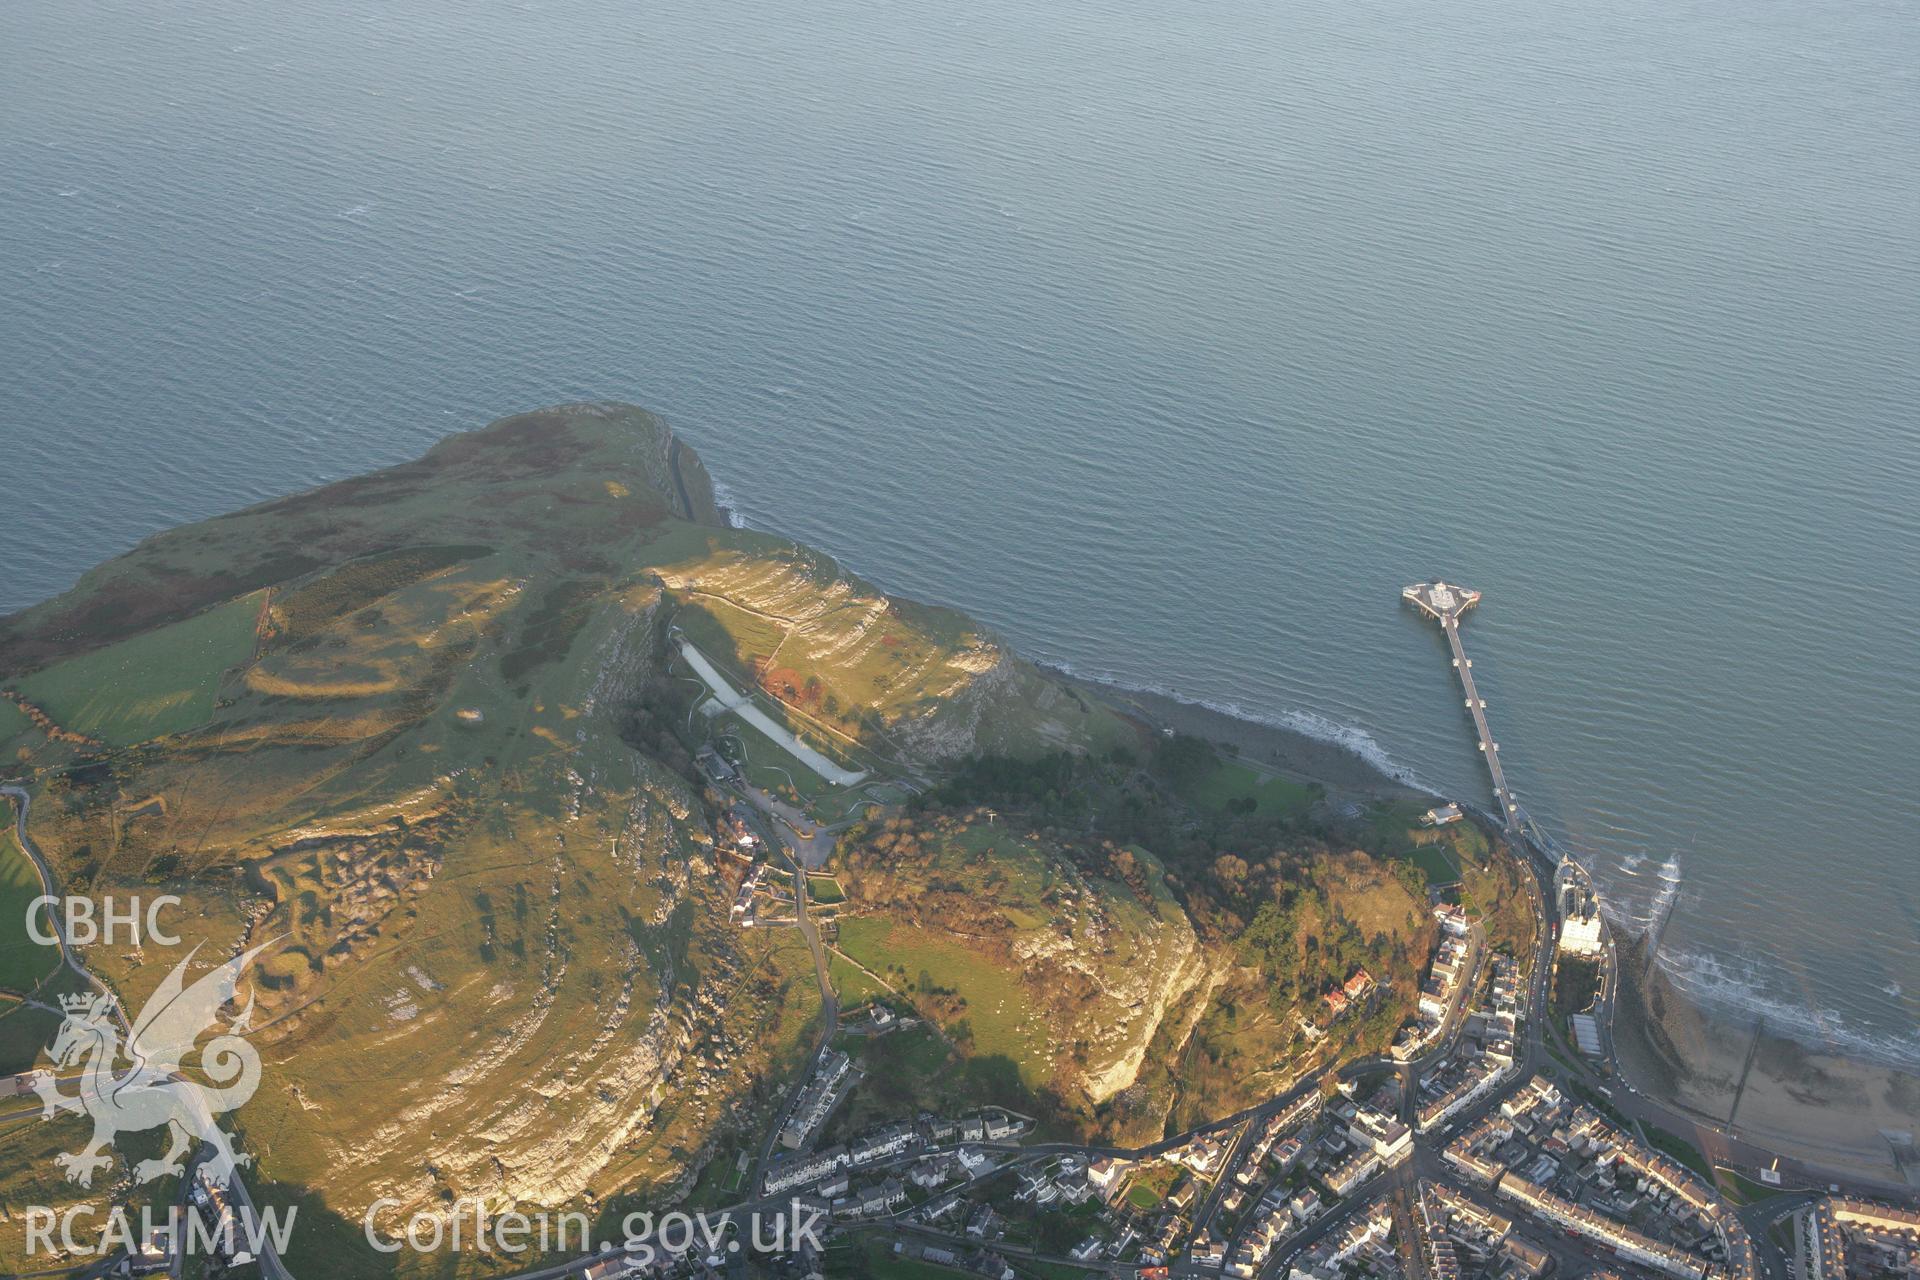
(149, 1091)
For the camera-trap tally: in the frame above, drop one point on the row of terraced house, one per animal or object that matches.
(1563, 1164)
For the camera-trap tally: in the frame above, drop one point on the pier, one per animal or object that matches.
(1444, 603)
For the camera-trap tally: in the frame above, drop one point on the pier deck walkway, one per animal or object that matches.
(1445, 603)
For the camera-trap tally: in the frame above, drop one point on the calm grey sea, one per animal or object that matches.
(1171, 339)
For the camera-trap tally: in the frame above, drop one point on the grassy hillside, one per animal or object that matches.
(1282, 902)
(850, 667)
(976, 997)
(418, 730)
(416, 778)
(1058, 958)
(425, 732)
(1232, 787)
(159, 682)
(13, 723)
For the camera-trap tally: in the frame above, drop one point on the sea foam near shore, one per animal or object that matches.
(1711, 983)
(1319, 746)
(1311, 746)
(1348, 758)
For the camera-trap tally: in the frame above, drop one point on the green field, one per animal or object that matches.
(1432, 859)
(824, 890)
(13, 721)
(154, 684)
(732, 635)
(719, 1182)
(1394, 824)
(23, 962)
(1232, 784)
(26, 1031)
(851, 983)
(1741, 1189)
(1439, 852)
(1151, 1183)
(958, 913)
(996, 1013)
(769, 766)
(432, 725)
(908, 1070)
(1020, 867)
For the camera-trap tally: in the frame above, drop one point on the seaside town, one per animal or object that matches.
(781, 641)
(1473, 1152)
(1464, 1156)
(1496, 1140)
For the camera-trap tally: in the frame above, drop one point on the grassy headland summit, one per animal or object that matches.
(578, 825)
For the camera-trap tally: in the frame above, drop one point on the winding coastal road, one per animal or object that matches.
(784, 829)
(1401, 1181)
(22, 805)
(271, 1266)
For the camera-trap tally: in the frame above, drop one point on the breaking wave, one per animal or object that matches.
(1637, 894)
(729, 504)
(1350, 738)
(1716, 984)
(1668, 892)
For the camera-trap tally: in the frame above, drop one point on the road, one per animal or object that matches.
(1457, 1011)
(1447, 604)
(1534, 1058)
(271, 1267)
(787, 838)
(1401, 1180)
(805, 845)
(742, 704)
(809, 842)
(22, 803)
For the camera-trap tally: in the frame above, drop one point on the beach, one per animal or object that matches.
(1843, 1116)
(1838, 1114)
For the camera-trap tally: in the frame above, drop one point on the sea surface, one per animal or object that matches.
(1170, 339)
